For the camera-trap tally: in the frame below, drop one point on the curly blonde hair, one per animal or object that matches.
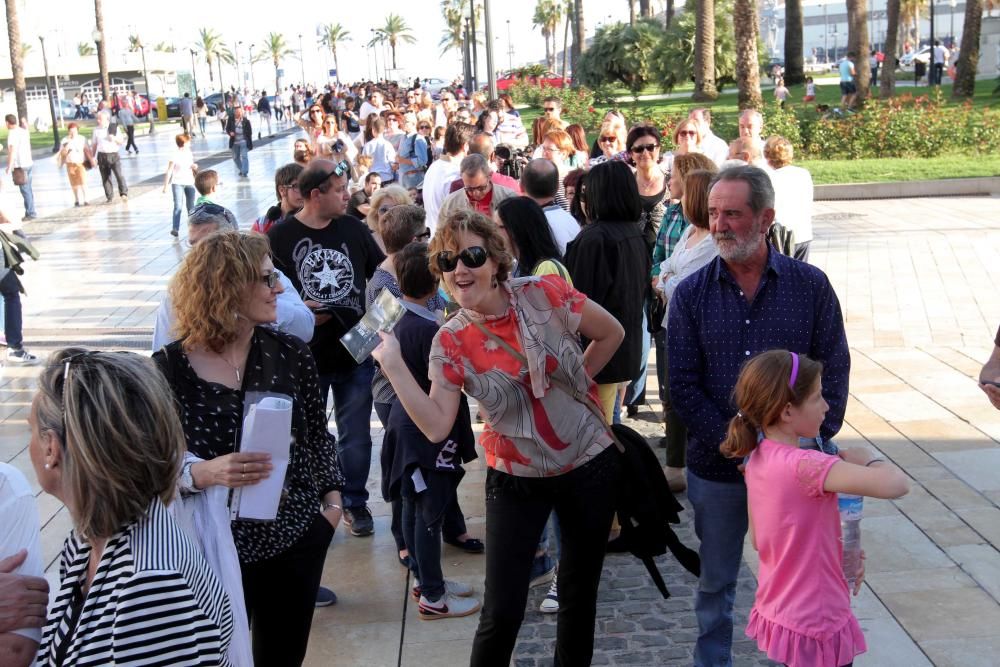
(396, 193)
(211, 285)
(471, 222)
(778, 151)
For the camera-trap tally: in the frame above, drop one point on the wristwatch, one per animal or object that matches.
(187, 480)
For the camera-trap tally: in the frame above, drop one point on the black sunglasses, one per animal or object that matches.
(472, 257)
(550, 108)
(638, 150)
(342, 167)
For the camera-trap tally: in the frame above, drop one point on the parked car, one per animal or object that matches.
(173, 108)
(907, 59)
(433, 85)
(214, 102)
(141, 101)
(547, 79)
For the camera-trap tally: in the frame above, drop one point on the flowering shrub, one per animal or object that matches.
(578, 102)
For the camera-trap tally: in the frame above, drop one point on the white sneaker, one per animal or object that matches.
(449, 606)
(21, 356)
(550, 604)
(456, 588)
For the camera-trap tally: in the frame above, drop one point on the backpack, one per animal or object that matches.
(645, 504)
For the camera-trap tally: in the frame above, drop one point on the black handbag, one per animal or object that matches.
(656, 310)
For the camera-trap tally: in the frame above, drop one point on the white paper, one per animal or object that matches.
(267, 428)
(419, 484)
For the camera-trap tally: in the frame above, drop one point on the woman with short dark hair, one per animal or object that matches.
(609, 262)
(529, 238)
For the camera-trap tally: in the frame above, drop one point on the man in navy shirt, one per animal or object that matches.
(748, 300)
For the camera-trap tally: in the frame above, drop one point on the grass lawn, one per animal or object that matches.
(825, 172)
(45, 139)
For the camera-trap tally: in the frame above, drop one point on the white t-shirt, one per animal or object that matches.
(367, 109)
(715, 148)
(107, 143)
(75, 149)
(437, 184)
(19, 148)
(563, 225)
(19, 529)
(182, 160)
(383, 155)
(793, 200)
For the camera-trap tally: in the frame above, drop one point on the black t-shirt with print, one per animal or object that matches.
(330, 266)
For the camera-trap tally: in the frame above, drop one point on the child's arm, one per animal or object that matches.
(863, 474)
(753, 534)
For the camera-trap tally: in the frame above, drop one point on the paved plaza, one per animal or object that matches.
(919, 283)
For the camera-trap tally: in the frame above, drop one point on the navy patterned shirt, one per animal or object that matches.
(713, 330)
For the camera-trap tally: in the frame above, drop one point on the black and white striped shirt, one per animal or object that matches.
(153, 601)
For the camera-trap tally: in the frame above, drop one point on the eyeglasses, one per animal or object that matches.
(639, 150)
(424, 127)
(270, 279)
(477, 189)
(606, 139)
(687, 133)
(472, 257)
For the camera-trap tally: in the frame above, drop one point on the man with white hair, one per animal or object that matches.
(107, 142)
(714, 147)
(751, 124)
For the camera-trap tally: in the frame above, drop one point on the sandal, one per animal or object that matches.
(471, 545)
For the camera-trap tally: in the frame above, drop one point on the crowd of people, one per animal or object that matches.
(538, 294)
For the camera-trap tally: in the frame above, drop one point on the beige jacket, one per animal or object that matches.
(459, 201)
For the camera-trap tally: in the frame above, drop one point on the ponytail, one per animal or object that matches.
(741, 437)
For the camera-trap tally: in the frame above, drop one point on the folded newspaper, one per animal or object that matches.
(382, 315)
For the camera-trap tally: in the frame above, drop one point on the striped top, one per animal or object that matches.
(153, 601)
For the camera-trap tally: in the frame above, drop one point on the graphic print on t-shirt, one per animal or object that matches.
(327, 275)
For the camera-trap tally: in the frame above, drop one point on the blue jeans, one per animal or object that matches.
(10, 289)
(720, 521)
(201, 124)
(27, 194)
(635, 394)
(352, 404)
(185, 194)
(423, 518)
(241, 157)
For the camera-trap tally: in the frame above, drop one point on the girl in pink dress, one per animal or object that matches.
(802, 613)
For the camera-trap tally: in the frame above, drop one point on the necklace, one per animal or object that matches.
(236, 369)
(647, 185)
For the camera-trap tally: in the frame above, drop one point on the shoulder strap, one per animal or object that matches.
(559, 384)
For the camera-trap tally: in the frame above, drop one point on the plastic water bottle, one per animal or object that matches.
(851, 510)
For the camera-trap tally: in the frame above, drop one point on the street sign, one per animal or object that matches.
(281, 72)
(333, 73)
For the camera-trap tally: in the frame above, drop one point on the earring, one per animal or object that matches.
(46, 466)
(493, 281)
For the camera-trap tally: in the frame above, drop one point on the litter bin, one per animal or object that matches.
(161, 108)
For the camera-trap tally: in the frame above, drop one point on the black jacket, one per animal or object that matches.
(610, 263)
(247, 131)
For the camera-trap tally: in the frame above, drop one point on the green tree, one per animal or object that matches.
(746, 35)
(333, 35)
(85, 49)
(394, 31)
(215, 51)
(674, 60)
(165, 47)
(794, 65)
(857, 43)
(276, 48)
(704, 51)
(968, 57)
(16, 59)
(909, 17)
(621, 54)
(579, 34)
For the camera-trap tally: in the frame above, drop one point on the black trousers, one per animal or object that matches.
(130, 144)
(107, 164)
(423, 516)
(280, 595)
(516, 511)
(674, 429)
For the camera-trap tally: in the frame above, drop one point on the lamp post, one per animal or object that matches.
(952, 4)
(194, 73)
(490, 74)
(826, 37)
(98, 36)
(253, 81)
(467, 56)
(475, 56)
(239, 75)
(302, 60)
(48, 92)
(510, 49)
(374, 45)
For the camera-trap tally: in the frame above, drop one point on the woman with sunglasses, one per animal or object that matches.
(414, 154)
(611, 140)
(687, 139)
(224, 293)
(394, 129)
(134, 588)
(311, 120)
(513, 346)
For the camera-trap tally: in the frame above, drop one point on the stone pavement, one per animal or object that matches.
(918, 281)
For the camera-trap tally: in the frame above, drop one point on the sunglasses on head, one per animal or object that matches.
(550, 108)
(638, 150)
(472, 257)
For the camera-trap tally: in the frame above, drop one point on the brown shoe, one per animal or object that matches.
(675, 478)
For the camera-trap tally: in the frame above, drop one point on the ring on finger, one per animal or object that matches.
(244, 468)
(243, 475)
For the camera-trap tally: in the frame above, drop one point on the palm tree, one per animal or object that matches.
(16, 61)
(857, 42)
(394, 31)
(704, 52)
(645, 9)
(888, 84)
(669, 13)
(102, 49)
(968, 57)
(794, 65)
(85, 49)
(579, 33)
(454, 35)
(909, 17)
(568, 10)
(210, 44)
(165, 47)
(276, 47)
(546, 17)
(745, 32)
(333, 35)
(631, 12)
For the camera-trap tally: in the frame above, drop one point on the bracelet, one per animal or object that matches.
(331, 506)
(874, 461)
